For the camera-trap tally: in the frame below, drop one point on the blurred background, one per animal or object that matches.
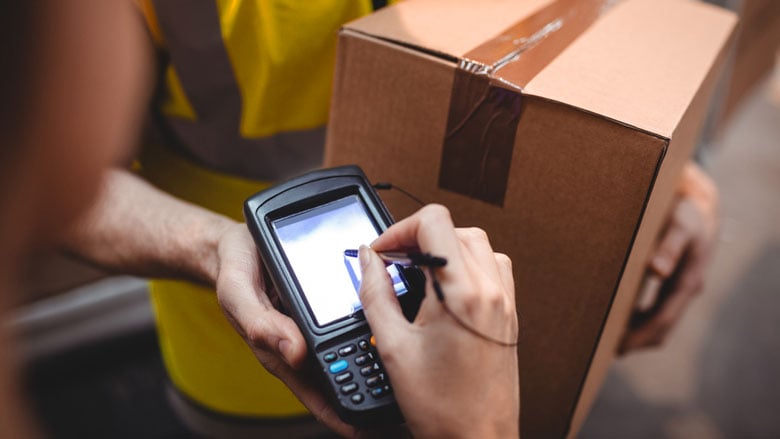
(93, 368)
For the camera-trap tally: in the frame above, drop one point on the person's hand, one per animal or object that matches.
(273, 337)
(678, 265)
(448, 381)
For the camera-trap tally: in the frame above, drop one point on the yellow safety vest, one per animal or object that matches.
(244, 100)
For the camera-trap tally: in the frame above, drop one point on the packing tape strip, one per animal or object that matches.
(487, 102)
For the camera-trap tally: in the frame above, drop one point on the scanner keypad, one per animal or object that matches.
(358, 371)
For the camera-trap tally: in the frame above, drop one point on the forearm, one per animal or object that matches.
(137, 229)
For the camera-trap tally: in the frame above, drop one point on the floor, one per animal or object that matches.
(717, 377)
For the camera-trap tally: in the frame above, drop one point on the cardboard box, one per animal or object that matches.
(566, 151)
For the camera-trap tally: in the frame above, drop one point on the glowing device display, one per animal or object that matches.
(314, 242)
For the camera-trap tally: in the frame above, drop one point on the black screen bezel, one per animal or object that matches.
(307, 204)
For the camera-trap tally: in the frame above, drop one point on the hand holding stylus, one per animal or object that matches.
(448, 381)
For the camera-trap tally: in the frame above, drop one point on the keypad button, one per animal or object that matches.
(370, 370)
(379, 392)
(339, 366)
(371, 356)
(329, 357)
(375, 380)
(344, 377)
(349, 388)
(363, 345)
(347, 350)
(361, 360)
(373, 340)
(357, 398)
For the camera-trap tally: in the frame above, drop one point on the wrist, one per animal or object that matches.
(202, 256)
(486, 428)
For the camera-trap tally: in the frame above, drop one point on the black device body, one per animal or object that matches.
(321, 206)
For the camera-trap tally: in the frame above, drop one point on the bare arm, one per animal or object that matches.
(136, 228)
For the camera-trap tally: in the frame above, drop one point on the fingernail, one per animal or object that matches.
(284, 348)
(364, 257)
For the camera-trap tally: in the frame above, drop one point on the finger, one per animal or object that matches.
(656, 329)
(263, 327)
(648, 292)
(242, 299)
(377, 296)
(422, 229)
(431, 230)
(476, 242)
(678, 235)
(654, 332)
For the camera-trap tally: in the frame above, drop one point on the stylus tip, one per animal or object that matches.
(351, 253)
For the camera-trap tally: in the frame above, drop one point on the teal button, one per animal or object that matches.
(338, 366)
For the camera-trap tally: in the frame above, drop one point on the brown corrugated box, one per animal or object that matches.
(567, 154)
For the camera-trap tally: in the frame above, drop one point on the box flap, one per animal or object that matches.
(648, 78)
(645, 80)
(451, 27)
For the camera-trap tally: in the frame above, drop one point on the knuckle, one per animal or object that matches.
(475, 234)
(503, 260)
(488, 297)
(259, 336)
(468, 296)
(495, 297)
(255, 335)
(435, 213)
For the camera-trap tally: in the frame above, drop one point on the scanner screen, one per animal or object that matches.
(314, 242)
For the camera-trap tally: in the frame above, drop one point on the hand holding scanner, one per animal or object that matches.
(302, 229)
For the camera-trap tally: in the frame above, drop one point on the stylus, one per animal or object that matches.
(405, 259)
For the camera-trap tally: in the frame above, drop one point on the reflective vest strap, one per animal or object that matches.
(206, 75)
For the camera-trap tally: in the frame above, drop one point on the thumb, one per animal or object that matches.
(274, 332)
(380, 305)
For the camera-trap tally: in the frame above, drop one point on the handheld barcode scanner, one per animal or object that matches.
(302, 228)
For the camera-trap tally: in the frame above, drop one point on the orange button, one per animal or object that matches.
(372, 340)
